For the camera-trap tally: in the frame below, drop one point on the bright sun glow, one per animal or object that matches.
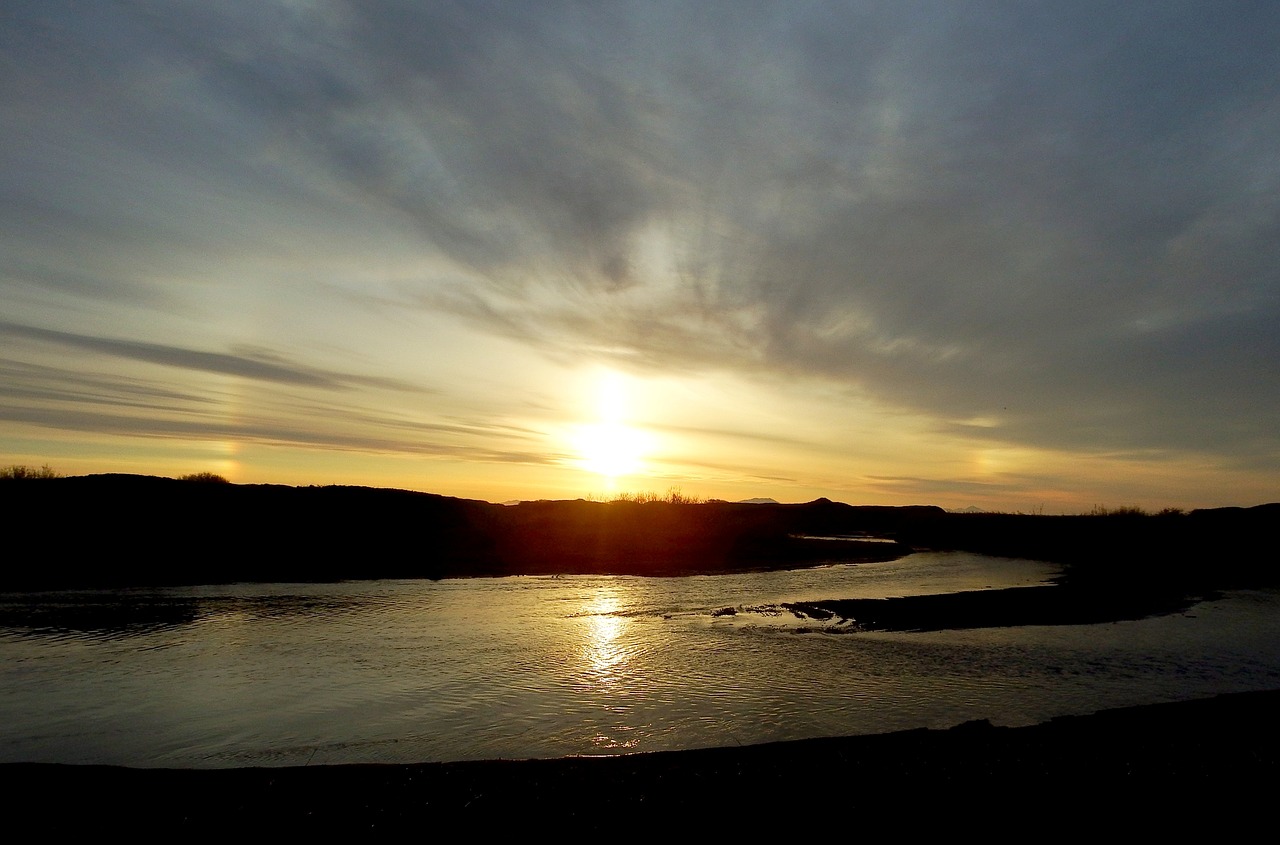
(609, 446)
(610, 449)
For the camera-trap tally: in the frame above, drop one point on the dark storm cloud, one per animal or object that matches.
(1051, 224)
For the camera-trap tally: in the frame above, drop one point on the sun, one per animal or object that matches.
(610, 449)
(610, 446)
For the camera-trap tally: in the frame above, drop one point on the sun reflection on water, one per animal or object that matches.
(604, 656)
(606, 672)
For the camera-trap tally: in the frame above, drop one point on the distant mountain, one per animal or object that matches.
(970, 509)
(760, 501)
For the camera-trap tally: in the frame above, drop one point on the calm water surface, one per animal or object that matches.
(406, 671)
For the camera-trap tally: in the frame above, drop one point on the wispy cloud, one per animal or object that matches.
(1056, 220)
(108, 404)
(260, 366)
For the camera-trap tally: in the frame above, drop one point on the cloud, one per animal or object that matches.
(1068, 213)
(1059, 221)
(107, 403)
(33, 384)
(274, 432)
(259, 365)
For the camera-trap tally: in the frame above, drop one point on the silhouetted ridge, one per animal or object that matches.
(1206, 549)
(109, 530)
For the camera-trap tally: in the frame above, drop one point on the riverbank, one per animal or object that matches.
(1145, 768)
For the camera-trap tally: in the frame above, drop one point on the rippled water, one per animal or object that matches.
(400, 671)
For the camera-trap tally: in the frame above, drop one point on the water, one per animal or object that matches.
(409, 671)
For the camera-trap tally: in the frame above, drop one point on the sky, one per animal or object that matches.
(1011, 255)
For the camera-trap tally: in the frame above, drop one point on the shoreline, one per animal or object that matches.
(1201, 750)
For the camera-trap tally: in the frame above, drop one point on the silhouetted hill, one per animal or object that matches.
(104, 530)
(108, 530)
(1211, 548)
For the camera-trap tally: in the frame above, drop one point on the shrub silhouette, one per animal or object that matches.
(205, 478)
(673, 496)
(1122, 511)
(19, 472)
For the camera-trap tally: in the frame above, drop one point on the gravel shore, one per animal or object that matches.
(1145, 769)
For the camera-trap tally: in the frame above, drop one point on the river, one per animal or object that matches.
(414, 671)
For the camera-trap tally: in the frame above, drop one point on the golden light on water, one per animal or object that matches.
(603, 655)
(606, 669)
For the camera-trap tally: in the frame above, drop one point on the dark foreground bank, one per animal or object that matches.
(1166, 767)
